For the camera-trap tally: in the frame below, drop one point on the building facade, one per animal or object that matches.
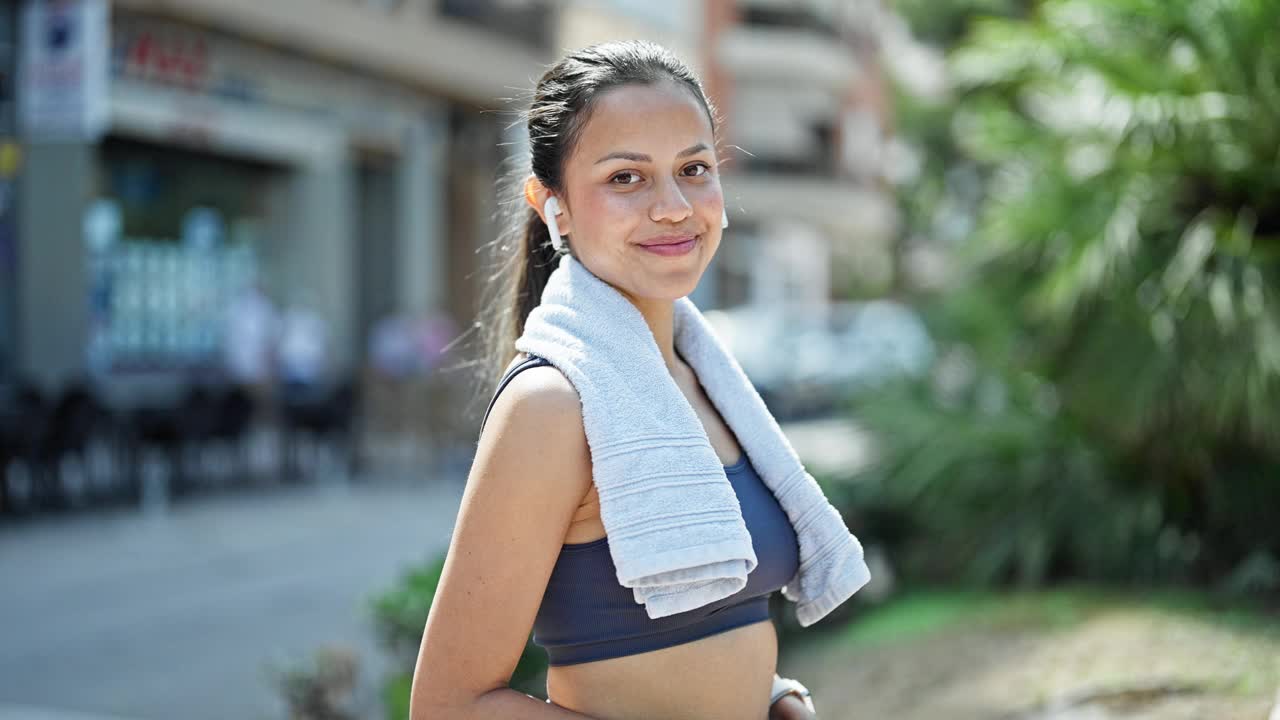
(327, 151)
(340, 155)
(9, 165)
(807, 121)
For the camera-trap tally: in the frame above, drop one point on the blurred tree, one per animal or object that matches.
(1134, 215)
(1124, 258)
(939, 188)
(944, 23)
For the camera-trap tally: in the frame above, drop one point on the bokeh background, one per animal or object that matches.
(1005, 271)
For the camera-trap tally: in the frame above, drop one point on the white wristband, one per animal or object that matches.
(787, 686)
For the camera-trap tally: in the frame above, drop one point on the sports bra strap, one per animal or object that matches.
(531, 361)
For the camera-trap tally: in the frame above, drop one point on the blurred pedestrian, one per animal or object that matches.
(402, 344)
(252, 326)
(303, 350)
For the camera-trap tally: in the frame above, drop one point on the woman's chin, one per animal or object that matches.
(669, 291)
(683, 289)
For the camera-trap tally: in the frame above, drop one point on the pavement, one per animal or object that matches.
(176, 611)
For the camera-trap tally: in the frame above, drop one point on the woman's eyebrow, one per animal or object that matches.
(641, 157)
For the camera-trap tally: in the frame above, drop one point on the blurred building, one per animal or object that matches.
(338, 153)
(9, 163)
(800, 83)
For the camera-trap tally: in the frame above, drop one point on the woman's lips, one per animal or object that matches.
(680, 248)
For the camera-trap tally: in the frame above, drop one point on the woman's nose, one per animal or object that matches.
(670, 204)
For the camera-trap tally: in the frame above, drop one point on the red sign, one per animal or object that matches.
(169, 58)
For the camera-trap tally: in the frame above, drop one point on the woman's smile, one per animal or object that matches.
(673, 249)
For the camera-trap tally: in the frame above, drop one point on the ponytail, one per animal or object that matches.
(539, 260)
(522, 259)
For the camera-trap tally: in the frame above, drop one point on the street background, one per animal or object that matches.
(1004, 270)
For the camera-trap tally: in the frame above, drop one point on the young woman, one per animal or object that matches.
(624, 137)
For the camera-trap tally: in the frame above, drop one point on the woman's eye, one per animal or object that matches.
(705, 169)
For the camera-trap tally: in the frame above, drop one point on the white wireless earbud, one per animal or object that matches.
(550, 209)
(724, 219)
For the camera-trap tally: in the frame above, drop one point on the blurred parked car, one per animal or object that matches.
(805, 360)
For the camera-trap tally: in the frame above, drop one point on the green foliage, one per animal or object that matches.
(943, 23)
(395, 695)
(999, 486)
(925, 610)
(1116, 298)
(1134, 212)
(400, 616)
(400, 613)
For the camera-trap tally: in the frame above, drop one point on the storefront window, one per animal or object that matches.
(172, 241)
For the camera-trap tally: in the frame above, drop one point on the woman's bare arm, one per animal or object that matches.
(531, 472)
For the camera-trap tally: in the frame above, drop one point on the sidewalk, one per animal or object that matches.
(24, 712)
(169, 613)
(175, 610)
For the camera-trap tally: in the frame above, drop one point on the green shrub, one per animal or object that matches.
(1121, 271)
(992, 483)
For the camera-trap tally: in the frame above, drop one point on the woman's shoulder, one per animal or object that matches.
(521, 357)
(542, 377)
(536, 395)
(538, 415)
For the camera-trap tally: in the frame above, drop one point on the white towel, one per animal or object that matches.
(674, 524)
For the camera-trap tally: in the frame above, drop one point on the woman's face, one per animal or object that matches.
(644, 171)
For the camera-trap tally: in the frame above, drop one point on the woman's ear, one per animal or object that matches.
(536, 194)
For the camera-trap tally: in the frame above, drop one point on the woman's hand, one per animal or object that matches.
(790, 707)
